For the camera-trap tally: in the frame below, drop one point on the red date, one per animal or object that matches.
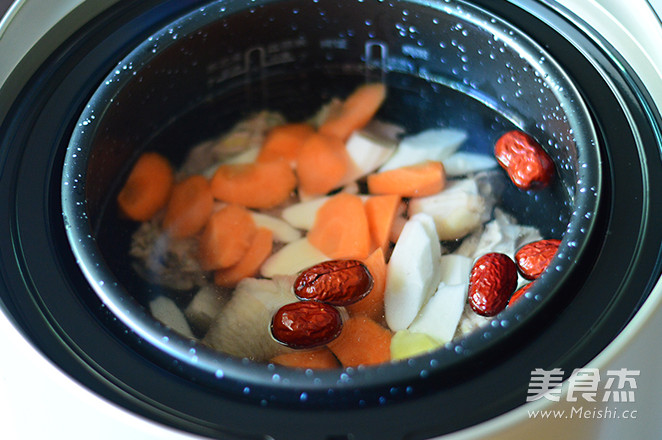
(525, 161)
(306, 324)
(492, 281)
(532, 259)
(336, 282)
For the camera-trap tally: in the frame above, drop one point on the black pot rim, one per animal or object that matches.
(117, 299)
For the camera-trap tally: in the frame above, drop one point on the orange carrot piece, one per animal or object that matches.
(357, 110)
(318, 359)
(341, 228)
(372, 305)
(189, 208)
(284, 142)
(250, 263)
(226, 238)
(321, 164)
(147, 189)
(381, 211)
(362, 342)
(418, 180)
(254, 185)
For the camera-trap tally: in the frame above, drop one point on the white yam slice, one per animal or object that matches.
(242, 328)
(302, 215)
(413, 272)
(164, 310)
(292, 258)
(436, 144)
(463, 163)
(203, 308)
(282, 231)
(441, 314)
(455, 269)
(367, 152)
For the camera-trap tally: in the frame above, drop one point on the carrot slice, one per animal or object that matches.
(372, 305)
(189, 207)
(254, 185)
(341, 228)
(362, 342)
(321, 164)
(320, 358)
(418, 180)
(226, 238)
(381, 212)
(147, 189)
(250, 263)
(357, 110)
(284, 142)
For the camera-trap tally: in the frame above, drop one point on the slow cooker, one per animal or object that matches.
(86, 86)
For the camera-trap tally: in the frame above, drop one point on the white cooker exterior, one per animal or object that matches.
(38, 401)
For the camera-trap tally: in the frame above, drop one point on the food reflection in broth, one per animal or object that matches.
(232, 230)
